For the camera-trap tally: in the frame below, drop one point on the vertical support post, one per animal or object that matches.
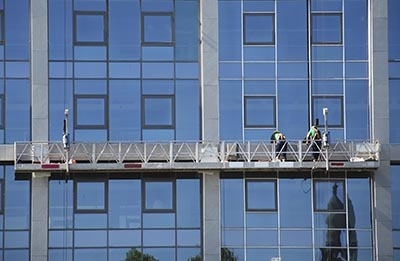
(379, 104)
(40, 123)
(210, 125)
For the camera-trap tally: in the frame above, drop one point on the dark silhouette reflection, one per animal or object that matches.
(352, 233)
(135, 255)
(336, 223)
(227, 255)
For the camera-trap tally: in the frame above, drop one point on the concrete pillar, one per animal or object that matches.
(211, 216)
(379, 84)
(210, 125)
(209, 69)
(40, 123)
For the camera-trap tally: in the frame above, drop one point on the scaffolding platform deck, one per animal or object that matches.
(202, 156)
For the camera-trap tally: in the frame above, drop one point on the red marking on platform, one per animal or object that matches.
(337, 164)
(132, 166)
(50, 166)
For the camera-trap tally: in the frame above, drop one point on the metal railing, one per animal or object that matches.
(196, 152)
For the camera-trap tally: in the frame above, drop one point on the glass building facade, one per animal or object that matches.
(187, 70)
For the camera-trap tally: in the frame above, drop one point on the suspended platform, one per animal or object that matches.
(190, 156)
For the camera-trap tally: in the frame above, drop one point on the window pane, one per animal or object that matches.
(335, 110)
(259, 111)
(259, 29)
(90, 111)
(157, 28)
(124, 203)
(295, 202)
(158, 195)
(90, 28)
(90, 196)
(1, 111)
(260, 195)
(329, 195)
(158, 111)
(327, 28)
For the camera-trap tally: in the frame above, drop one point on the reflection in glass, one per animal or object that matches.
(232, 254)
(158, 195)
(158, 111)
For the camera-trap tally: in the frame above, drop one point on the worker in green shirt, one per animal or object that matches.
(314, 137)
(279, 139)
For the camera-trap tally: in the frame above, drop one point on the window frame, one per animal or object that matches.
(275, 209)
(2, 110)
(268, 14)
(269, 97)
(339, 14)
(77, 210)
(315, 205)
(90, 43)
(321, 123)
(143, 33)
(173, 111)
(90, 96)
(3, 28)
(2, 195)
(162, 210)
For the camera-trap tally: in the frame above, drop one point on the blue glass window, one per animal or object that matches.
(91, 111)
(326, 28)
(90, 28)
(259, 28)
(159, 196)
(329, 196)
(335, 109)
(157, 28)
(90, 196)
(158, 111)
(259, 111)
(261, 195)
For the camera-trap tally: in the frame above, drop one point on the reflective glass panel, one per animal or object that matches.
(157, 28)
(260, 195)
(159, 195)
(259, 111)
(327, 28)
(90, 28)
(295, 201)
(232, 201)
(258, 28)
(329, 196)
(90, 111)
(124, 203)
(158, 111)
(90, 195)
(335, 110)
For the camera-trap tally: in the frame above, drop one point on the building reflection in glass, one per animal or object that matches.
(335, 222)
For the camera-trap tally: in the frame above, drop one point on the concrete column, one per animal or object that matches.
(209, 69)
(39, 216)
(40, 123)
(211, 216)
(379, 89)
(210, 125)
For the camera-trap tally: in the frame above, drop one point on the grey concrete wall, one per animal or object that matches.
(379, 85)
(40, 122)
